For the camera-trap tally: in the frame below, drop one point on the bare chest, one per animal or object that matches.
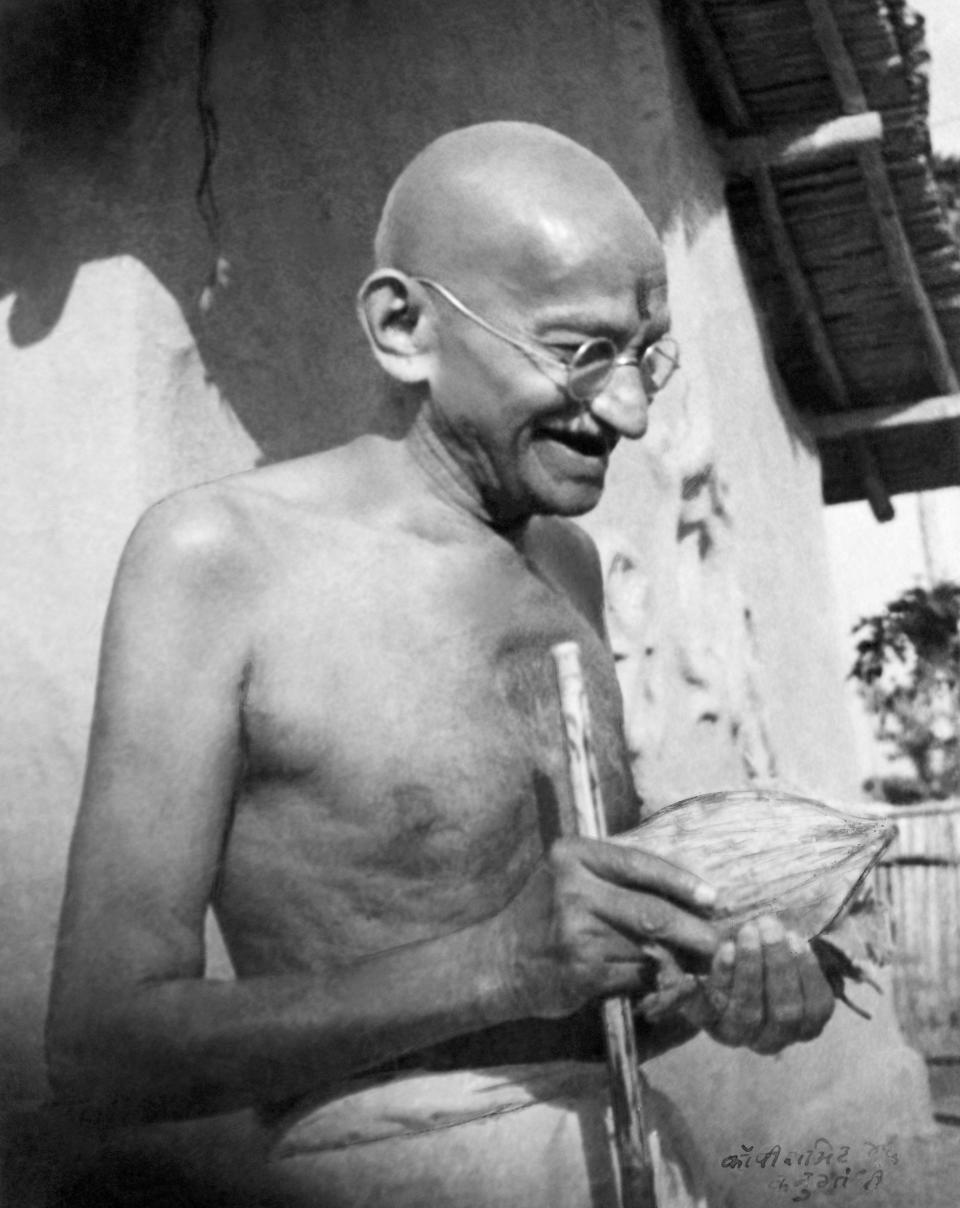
(406, 757)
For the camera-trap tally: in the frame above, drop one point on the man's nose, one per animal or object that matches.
(623, 403)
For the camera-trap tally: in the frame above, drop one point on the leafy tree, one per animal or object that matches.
(908, 670)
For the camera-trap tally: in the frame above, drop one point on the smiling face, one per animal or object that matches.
(540, 237)
(511, 428)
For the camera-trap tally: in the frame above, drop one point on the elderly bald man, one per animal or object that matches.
(326, 709)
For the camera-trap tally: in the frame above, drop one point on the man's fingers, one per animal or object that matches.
(784, 1009)
(638, 870)
(720, 985)
(742, 1018)
(586, 920)
(766, 991)
(798, 998)
(784, 999)
(643, 917)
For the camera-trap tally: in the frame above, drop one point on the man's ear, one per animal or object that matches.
(393, 313)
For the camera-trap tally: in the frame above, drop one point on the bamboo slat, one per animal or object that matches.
(841, 67)
(717, 67)
(904, 267)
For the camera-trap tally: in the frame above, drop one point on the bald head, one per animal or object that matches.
(513, 204)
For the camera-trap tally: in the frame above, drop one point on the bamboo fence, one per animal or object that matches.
(918, 881)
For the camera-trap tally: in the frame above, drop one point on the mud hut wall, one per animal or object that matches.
(118, 388)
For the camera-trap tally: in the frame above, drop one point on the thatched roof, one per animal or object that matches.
(823, 104)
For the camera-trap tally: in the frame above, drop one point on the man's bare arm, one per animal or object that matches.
(133, 1027)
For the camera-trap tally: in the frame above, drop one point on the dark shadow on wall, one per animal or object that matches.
(117, 126)
(114, 119)
(111, 150)
(71, 72)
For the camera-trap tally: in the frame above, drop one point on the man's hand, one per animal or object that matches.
(590, 922)
(765, 990)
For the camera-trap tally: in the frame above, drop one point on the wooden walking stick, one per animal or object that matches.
(633, 1158)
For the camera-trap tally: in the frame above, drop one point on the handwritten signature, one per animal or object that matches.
(823, 1167)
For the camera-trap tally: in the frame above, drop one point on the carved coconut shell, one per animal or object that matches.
(768, 852)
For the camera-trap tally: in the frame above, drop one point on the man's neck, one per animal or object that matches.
(450, 484)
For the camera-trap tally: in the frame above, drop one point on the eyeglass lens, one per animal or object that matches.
(657, 365)
(591, 368)
(593, 364)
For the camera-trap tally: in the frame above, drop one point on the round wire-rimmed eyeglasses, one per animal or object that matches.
(589, 370)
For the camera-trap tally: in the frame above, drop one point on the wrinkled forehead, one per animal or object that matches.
(563, 265)
(603, 262)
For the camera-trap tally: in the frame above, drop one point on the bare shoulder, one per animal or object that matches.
(231, 529)
(221, 536)
(223, 547)
(567, 554)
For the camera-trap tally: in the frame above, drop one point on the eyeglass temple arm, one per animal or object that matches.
(666, 345)
(529, 348)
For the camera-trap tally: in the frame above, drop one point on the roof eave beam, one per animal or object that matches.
(791, 147)
(872, 419)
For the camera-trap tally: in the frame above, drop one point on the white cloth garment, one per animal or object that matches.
(521, 1136)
